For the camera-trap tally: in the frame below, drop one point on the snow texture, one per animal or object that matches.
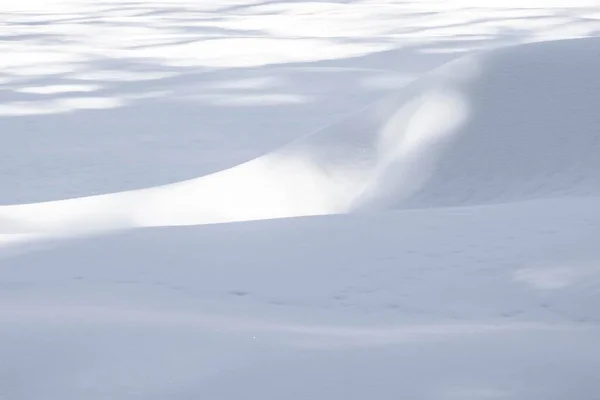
(400, 202)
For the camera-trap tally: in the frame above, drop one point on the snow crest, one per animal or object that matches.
(507, 125)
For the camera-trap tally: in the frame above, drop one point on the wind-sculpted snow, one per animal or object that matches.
(464, 264)
(507, 125)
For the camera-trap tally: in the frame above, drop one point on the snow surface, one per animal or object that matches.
(508, 125)
(424, 233)
(480, 302)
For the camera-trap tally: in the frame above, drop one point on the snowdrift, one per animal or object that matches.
(508, 125)
(439, 302)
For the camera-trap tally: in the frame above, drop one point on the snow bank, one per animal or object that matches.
(508, 125)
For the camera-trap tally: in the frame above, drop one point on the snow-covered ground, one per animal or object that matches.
(363, 221)
(162, 91)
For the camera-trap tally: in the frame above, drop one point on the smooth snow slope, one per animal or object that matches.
(108, 96)
(490, 302)
(497, 299)
(507, 125)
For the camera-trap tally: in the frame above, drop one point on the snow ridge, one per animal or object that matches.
(506, 125)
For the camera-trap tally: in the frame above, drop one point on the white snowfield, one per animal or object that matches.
(441, 243)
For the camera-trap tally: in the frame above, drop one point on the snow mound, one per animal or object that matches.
(508, 125)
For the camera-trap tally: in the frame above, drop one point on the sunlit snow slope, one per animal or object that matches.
(507, 125)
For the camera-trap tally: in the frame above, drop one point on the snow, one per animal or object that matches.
(505, 125)
(337, 200)
(444, 303)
